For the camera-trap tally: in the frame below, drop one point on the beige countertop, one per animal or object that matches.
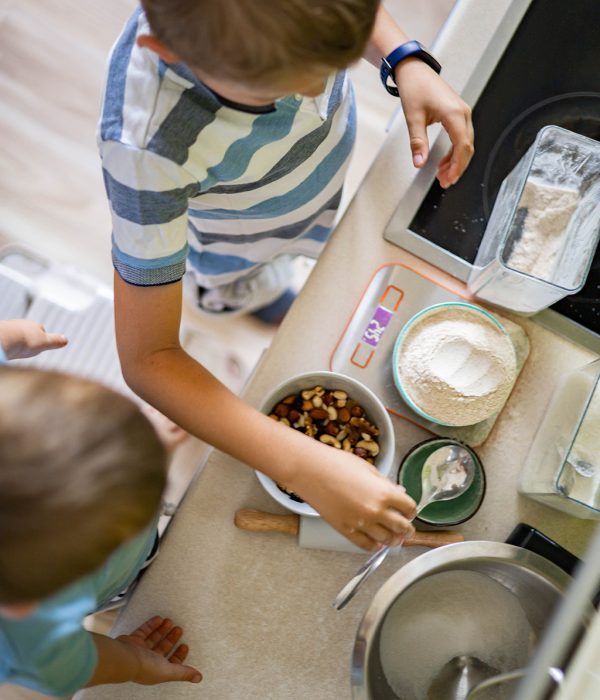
(256, 608)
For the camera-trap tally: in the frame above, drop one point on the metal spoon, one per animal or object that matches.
(465, 677)
(456, 678)
(447, 473)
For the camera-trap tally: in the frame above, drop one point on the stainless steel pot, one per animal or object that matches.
(538, 583)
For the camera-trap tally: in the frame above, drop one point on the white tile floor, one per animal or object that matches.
(53, 57)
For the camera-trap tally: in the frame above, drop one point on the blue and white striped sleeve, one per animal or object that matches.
(148, 196)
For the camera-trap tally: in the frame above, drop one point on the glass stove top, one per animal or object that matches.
(549, 74)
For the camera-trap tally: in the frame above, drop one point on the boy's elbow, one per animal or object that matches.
(140, 371)
(137, 374)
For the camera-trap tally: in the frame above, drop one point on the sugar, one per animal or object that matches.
(447, 615)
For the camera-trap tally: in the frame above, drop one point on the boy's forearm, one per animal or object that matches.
(162, 373)
(117, 662)
(188, 394)
(386, 36)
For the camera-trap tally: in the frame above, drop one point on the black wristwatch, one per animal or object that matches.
(410, 49)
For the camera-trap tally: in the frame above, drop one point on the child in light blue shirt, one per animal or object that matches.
(81, 477)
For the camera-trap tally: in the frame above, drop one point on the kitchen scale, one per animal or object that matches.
(394, 294)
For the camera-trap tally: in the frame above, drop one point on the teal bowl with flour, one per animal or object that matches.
(409, 326)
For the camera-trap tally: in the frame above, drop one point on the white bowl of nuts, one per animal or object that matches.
(337, 410)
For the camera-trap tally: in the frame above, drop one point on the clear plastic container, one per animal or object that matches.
(543, 230)
(562, 468)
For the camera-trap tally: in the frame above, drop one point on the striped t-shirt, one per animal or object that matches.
(191, 176)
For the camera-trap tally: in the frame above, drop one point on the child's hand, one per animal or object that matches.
(160, 659)
(427, 99)
(355, 498)
(21, 338)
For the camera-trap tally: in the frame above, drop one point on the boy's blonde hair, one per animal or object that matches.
(253, 40)
(81, 471)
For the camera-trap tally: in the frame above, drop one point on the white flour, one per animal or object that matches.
(446, 615)
(457, 366)
(540, 247)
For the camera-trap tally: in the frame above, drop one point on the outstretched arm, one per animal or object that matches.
(426, 99)
(347, 492)
(22, 338)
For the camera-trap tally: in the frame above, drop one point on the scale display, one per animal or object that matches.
(377, 325)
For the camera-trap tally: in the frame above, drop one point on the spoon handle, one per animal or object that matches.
(372, 563)
(348, 591)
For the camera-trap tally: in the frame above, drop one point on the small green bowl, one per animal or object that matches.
(451, 512)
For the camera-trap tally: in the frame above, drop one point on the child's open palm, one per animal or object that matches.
(160, 656)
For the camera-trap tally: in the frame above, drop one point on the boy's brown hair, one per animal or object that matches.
(252, 40)
(81, 471)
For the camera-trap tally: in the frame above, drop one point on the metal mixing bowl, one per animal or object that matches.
(538, 584)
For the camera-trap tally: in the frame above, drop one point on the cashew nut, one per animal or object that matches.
(370, 446)
(330, 440)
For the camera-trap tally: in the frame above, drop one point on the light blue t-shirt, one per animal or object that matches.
(49, 651)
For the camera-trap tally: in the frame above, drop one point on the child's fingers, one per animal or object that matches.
(396, 523)
(55, 340)
(380, 534)
(159, 633)
(362, 540)
(147, 628)
(180, 654)
(165, 645)
(419, 143)
(187, 673)
(384, 535)
(398, 500)
(460, 131)
(167, 672)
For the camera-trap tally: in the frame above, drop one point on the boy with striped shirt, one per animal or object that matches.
(225, 135)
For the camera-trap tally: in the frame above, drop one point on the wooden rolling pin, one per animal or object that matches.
(315, 533)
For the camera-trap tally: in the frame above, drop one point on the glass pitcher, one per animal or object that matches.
(562, 468)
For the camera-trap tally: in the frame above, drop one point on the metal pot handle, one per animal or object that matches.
(556, 675)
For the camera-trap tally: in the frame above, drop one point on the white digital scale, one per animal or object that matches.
(394, 294)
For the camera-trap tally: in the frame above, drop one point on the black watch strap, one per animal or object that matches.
(410, 49)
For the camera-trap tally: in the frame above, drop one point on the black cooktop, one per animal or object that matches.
(549, 74)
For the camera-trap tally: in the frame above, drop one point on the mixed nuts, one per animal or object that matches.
(331, 417)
